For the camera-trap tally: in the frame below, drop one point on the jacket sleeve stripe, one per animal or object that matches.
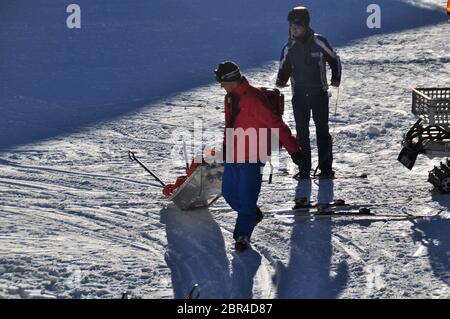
(327, 49)
(284, 57)
(332, 57)
(323, 73)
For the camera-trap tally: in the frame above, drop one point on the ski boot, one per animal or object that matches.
(301, 202)
(328, 174)
(259, 215)
(302, 175)
(324, 208)
(338, 202)
(242, 243)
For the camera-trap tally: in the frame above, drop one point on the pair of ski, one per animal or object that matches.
(318, 177)
(337, 208)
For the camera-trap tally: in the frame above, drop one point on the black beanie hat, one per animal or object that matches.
(227, 72)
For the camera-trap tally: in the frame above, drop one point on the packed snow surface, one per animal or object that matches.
(78, 219)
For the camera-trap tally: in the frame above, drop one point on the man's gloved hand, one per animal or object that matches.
(224, 152)
(335, 83)
(297, 157)
(280, 84)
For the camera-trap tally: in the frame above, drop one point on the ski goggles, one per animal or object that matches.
(229, 77)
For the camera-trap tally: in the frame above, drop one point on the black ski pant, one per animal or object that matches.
(316, 102)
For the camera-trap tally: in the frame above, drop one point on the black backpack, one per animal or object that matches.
(276, 99)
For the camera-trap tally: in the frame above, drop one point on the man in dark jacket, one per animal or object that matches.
(303, 60)
(248, 117)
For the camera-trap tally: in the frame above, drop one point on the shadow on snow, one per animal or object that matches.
(196, 254)
(308, 274)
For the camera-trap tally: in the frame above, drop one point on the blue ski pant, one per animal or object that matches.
(316, 102)
(241, 184)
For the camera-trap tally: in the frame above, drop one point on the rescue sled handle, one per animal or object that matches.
(132, 157)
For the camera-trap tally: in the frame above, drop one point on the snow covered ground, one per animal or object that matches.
(79, 220)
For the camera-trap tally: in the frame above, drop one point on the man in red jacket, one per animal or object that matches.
(248, 119)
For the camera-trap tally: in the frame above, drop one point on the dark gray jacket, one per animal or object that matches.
(304, 61)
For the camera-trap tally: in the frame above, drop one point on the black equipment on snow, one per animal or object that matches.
(430, 135)
(422, 139)
(439, 176)
(412, 146)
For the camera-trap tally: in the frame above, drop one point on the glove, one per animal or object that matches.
(224, 152)
(297, 157)
(280, 84)
(335, 83)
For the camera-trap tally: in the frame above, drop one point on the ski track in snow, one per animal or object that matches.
(79, 220)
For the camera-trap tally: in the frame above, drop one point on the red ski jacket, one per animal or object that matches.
(252, 114)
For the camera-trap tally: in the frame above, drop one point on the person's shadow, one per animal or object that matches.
(196, 255)
(307, 274)
(244, 268)
(434, 234)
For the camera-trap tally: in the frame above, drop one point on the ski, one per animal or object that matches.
(347, 176)
(302, 206)
(316, 214)
(320, 211)
(349, 213)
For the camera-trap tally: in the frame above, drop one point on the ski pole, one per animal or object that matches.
(185, 155)
(271, 172)
(195, 292)
(132, 157)
(337, 99)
